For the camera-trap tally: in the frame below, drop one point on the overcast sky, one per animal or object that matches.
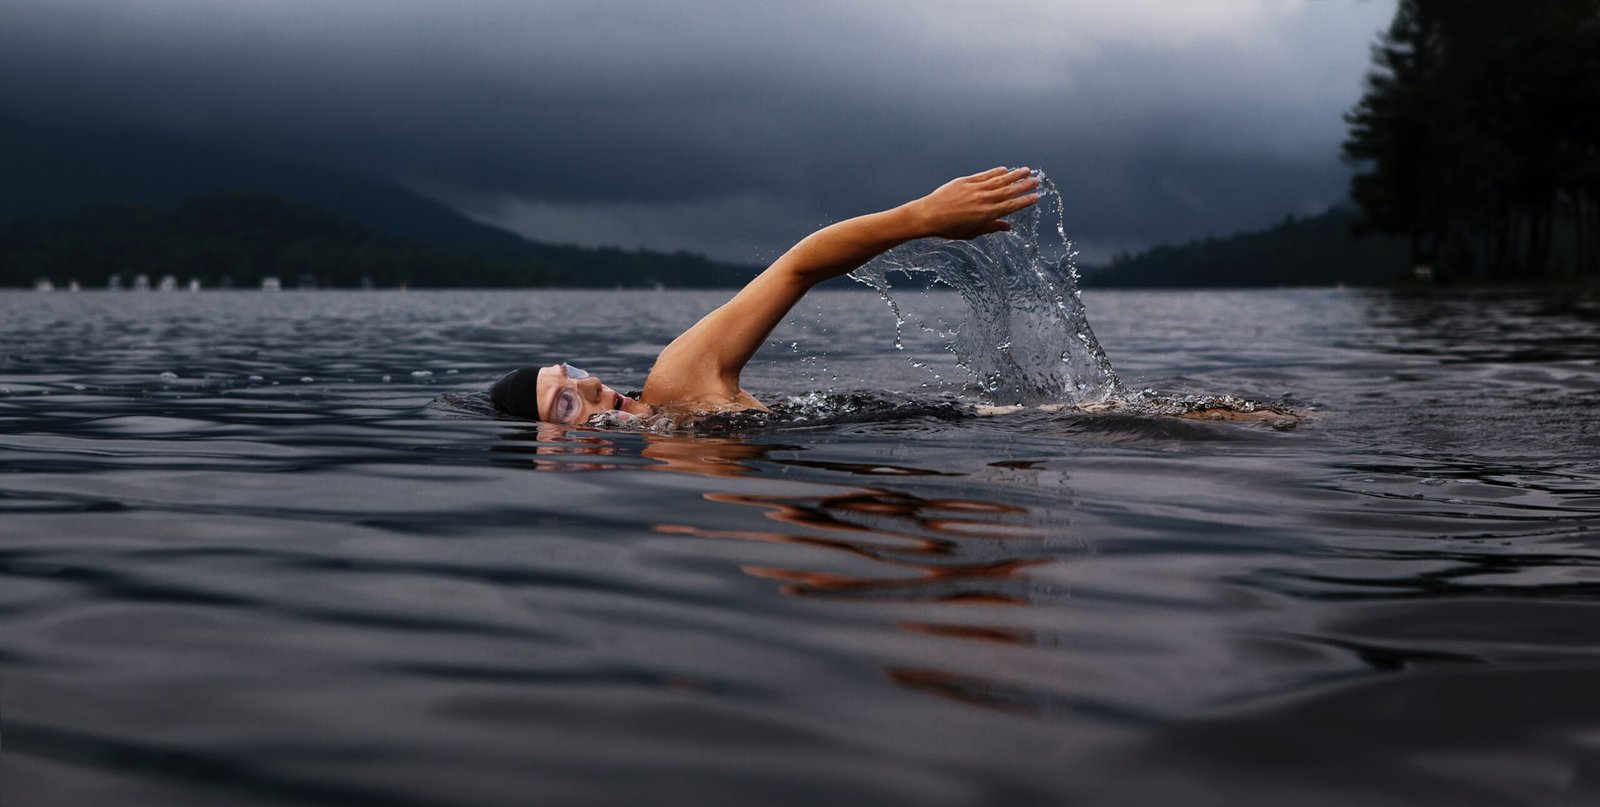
(733, 127)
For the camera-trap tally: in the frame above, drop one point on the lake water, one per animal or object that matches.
(295, 569)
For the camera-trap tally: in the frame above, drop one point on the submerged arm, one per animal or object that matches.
(708, 358)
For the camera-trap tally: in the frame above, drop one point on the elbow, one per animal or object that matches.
(798, 275)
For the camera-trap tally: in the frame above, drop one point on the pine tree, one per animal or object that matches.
(1479, 134)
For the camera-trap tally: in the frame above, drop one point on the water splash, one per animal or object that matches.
(1025, 336)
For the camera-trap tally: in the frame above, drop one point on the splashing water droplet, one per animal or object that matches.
(1025, 336)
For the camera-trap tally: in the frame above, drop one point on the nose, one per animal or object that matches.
(589, 387)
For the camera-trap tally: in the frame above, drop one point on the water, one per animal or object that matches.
(1020, 330)
(292, 572)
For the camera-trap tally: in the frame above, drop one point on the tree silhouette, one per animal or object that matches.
(1478, 136)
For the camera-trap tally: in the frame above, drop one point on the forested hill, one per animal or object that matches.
(48, 173)
(1314, 251)
(236, 238)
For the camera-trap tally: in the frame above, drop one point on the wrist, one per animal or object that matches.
(913, 220)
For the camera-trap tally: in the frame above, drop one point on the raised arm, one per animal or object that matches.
(705, 361)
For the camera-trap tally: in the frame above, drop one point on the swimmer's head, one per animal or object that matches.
(558, 394)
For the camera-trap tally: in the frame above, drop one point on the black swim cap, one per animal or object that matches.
(517, 393)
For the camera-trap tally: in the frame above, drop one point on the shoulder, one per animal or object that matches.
(687, 388)
(681, 375)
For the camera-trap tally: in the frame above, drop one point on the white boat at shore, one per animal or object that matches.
(271, 284)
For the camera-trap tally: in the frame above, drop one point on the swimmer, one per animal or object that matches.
(698, 373)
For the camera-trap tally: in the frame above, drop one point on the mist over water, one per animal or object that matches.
(1024, 334)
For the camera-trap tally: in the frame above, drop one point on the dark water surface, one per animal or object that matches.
(289, 574)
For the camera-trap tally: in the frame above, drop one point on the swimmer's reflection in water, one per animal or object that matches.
(931, 549)
(559, 448)
(698, 373)
(892, 546)
(953, 561)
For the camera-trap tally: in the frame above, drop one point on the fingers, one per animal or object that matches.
(1010, 206)
(1000, 178)
(1026, 184)
(1012, 190)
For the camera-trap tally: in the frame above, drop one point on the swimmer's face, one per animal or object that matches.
(569, 395)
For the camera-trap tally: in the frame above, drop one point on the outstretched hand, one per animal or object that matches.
(972, 206)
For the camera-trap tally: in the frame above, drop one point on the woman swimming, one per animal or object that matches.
(699, 371)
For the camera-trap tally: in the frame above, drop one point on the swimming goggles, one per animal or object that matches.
(568, 405)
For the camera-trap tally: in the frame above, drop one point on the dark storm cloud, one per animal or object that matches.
(733, 126)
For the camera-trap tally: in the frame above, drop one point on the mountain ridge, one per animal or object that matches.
(237, 238)
(53, 172)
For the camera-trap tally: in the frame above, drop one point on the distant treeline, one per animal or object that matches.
(1478, 137)
(238, 238)
(1311, 251)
